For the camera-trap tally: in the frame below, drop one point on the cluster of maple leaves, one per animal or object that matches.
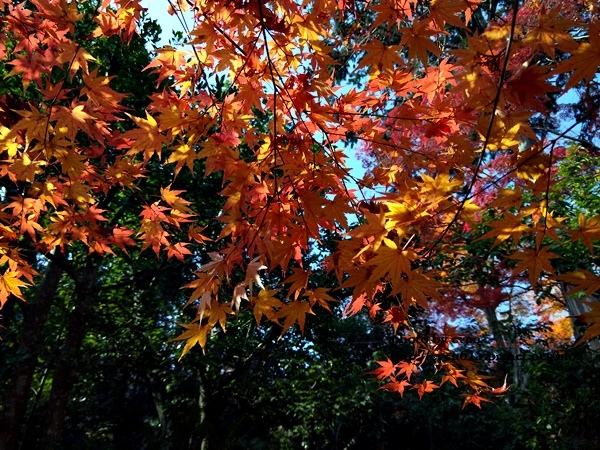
(444, 125)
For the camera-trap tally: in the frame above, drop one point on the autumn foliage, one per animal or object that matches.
(454, 111)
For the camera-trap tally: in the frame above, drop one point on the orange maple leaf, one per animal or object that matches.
(593, 318)
(396, 386)
(319, 296)
(417, 39)
(407, 368)
(425, 386)
(533, 262)
(475, 399)
(380, 57)
(385, 370)
(508, 227)
(293, 312)
(582, 280)
(584, 60)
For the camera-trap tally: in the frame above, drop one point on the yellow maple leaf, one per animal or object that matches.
(8, 141)
(264, 303)
(589, 229)
(193, 335)
(508, 227)
(551, 31)
(390, 262)
(218, 313)
(148, 138)
(10, 282)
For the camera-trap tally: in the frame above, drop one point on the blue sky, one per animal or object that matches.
(157, 9)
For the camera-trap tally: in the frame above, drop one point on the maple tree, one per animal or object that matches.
(454, 107)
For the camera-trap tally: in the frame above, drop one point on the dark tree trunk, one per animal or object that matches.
(65, 371)
(35, 314)
(496, 327)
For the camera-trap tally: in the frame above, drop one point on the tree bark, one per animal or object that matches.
(576, 308)
(35, 315)
(65, 371)
(496, 327)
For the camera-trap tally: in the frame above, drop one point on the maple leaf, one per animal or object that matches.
(298, 281)
(396, 386)
(502, 389)
(415, 286)
(551, 32)
(24, 169)
(424, 387)
(407, 368)
(533, 261)
(75, 56)
(293, 312)
(396, 316)
(194, 233)
(385, 370)
(194, 335)
(218, 314)
(442, 12)
(252, 275)
(147, 137)
(264, 304)
(374, 227)
(475, 380)
(390, 260)
(72, 120)
(529, 86)
(475, 399)
(98, 90)
(30, 69)
(319, 296)
(593, 318)
(8, 141)
(452, 375)
(239, 293)
(393, 10)
(581, 280)
(584, 60)
(380, 57)
(183, 154)
(589, 229)
(356, 305)
(174, 199)
(417, 39)
(178, 250)
(508, 227)
(121, 237)
(10, 282)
